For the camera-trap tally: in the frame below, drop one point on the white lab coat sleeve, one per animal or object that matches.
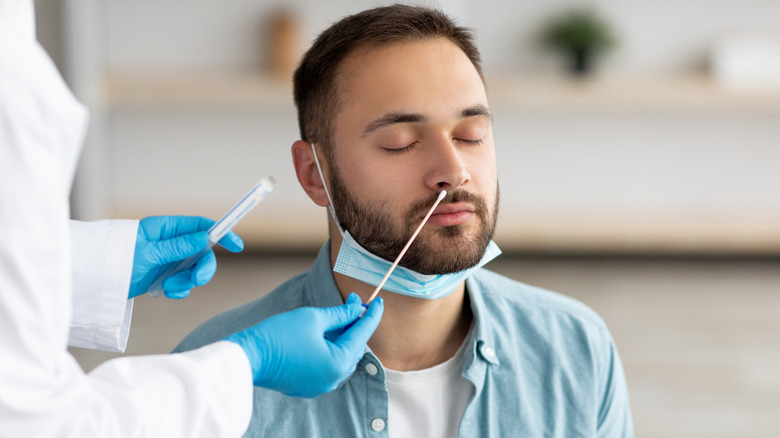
(205, 392)
(102, 256)
(43, 391)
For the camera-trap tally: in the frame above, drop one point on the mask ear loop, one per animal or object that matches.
(327, 193)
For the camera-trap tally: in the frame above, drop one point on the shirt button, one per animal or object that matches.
(378, 424)
(372, 369)
(489, 353)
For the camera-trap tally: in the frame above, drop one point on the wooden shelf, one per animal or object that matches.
(550, 232)
(527, 92)
(697, 92)
(662, 233)
(188, 91)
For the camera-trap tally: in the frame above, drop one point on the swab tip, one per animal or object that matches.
(442, 195)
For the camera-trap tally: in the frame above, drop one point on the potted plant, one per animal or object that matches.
(580, 35)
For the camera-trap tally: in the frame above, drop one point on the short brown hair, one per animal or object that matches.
(314, 83)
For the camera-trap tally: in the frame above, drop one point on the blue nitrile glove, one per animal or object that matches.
(163, 240)
(301, 352)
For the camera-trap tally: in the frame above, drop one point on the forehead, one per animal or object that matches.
(433, 77)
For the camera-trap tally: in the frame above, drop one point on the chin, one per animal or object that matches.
(453, 231)
(454, 250)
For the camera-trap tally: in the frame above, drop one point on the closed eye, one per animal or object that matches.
(470, 142)
(406, 148)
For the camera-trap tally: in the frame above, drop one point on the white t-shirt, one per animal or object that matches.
(428, 403)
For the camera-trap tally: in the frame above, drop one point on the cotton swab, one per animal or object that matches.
(408, 244)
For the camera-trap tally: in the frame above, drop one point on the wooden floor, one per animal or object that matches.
(699, 339)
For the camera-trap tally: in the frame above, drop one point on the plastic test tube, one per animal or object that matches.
(218, 230)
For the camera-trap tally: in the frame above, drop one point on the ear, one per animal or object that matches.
(306, 171)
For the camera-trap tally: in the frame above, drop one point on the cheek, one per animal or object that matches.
(484, 173)
(367, 177)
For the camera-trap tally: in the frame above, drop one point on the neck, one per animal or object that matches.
(415, 333)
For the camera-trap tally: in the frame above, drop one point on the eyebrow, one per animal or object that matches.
(396, 118)
(392, 119)
(477, 110)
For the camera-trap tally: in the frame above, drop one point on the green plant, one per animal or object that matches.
(579, 30)
(580, 34)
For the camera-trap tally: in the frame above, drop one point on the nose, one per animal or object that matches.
(447, 169)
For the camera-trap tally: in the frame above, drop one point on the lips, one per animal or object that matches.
(456, 213)
(453, 208)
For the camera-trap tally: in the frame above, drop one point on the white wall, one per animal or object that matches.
(655, 35)
(595, 176)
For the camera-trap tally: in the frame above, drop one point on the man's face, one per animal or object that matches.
(414, 121)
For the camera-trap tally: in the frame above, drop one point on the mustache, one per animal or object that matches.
(420, 208)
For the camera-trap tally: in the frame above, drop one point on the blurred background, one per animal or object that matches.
(638, 144)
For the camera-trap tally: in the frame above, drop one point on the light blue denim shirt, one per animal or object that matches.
(542, 365)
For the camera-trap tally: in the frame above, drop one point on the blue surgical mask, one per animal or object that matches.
(357, 262)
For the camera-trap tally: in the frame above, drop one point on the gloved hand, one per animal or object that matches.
(163, 240)
(307, 352)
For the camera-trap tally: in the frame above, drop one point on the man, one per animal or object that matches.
(393, 104)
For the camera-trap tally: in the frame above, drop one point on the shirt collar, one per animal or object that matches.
(321, 290)
(483, 343)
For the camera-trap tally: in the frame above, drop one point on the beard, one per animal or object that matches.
(440, 251)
